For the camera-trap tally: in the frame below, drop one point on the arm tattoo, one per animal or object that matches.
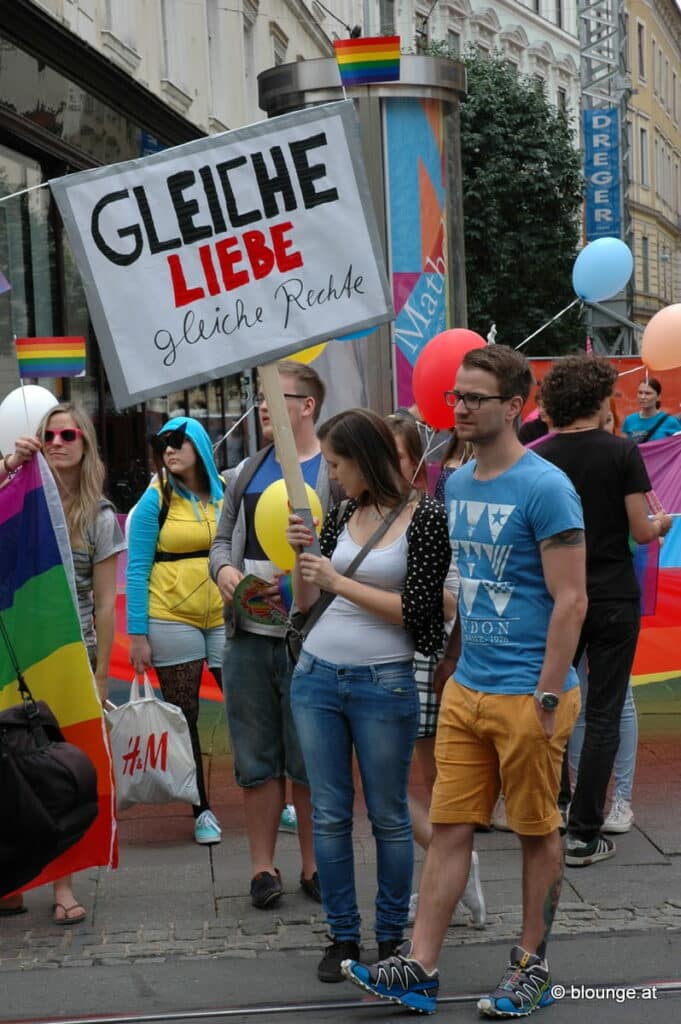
(565, 539)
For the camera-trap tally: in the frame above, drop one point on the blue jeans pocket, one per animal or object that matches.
(397, 681)
(304, 663)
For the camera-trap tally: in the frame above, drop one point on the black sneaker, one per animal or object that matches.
(329, 967)
(524, 988)
(310, 887)
(399, 979)
(388, 948)
(266, 889)
(579, 853)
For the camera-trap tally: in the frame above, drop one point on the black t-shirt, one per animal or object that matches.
(532, 430)
(604, 469)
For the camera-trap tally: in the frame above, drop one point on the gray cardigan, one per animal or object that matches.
(229, 543)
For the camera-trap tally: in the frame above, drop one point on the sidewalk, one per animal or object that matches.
(171, 899)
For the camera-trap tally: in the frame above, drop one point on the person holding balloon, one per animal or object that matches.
(174, 608)
(651, 423)
(256, 666)
(353, 686)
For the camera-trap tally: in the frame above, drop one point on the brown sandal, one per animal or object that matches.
(10, 908)
(66, 920)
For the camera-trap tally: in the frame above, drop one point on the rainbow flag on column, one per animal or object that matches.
(51, 357)
(361, 61)
(39, 609)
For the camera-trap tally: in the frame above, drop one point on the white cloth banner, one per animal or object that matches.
(227, 252)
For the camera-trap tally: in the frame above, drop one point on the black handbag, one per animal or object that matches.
(300, 623)
(48, 788)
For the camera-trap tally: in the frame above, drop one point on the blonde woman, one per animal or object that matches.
(69, 443)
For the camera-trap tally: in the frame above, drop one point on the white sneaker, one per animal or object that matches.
(620, 817)
(413, 904)
(473, 898)
(499, 815)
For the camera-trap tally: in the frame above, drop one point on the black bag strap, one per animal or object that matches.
(658, 422)
(21, 682)
(325, 598)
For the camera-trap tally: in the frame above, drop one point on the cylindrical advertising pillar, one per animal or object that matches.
(411, 143)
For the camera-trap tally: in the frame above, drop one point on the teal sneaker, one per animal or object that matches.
(207, 829)
(288, 821)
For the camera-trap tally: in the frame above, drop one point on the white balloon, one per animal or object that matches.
(14, 422)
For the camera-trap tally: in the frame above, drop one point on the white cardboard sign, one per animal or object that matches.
(227, 252)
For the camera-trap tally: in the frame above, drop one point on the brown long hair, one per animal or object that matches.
(407, 428)
(364, 437)
(81, 511)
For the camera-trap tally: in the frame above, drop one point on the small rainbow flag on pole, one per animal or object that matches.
(51, 357)
(376, 59)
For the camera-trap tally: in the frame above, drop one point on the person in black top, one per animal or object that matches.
(611, 479)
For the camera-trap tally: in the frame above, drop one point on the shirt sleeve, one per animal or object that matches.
(142, 540)
(108, 539)
(553, 505)
(636, 479)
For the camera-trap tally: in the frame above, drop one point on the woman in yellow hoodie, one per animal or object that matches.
(174, 608)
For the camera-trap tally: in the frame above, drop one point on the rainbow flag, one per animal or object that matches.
(51, 357)
(39, 609)
(376, 59)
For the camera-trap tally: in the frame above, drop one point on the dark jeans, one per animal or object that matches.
(609, 636)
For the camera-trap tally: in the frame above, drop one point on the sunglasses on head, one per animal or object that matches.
(169, 439)
(68, 435)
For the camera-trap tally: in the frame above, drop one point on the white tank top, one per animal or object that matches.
(349, 635)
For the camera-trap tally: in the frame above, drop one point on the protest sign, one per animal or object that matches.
(227, 252)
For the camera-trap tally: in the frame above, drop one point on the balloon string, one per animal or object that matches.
(636, 369)
(547, 324)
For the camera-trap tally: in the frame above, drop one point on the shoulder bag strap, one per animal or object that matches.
(326, 598)
(658, 422)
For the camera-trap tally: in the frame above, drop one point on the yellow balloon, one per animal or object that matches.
(308, 355)
(271, 521)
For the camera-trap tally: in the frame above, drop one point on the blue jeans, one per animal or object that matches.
(373, 708)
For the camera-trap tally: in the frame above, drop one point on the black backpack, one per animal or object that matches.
(48, 788)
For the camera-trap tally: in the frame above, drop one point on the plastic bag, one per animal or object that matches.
(151, 750)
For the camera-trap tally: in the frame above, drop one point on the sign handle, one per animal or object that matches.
(285, 447)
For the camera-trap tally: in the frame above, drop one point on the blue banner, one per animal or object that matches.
(602, 173)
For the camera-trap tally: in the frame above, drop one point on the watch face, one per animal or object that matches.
(549, 701)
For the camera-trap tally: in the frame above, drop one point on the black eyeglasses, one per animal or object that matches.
(168, 439)
(472, 401)
(260, 397)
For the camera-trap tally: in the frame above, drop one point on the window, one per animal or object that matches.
(216, 62)
(559, 13)
(644, 162)
(675, 85)
(645, 264)
(641, 47)
(250, 12)
(453, 43)
(279, 44)
(653, 61)
(536, 6)
(386, 14)
(561, 99)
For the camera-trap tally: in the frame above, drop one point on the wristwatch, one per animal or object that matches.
(548, 701)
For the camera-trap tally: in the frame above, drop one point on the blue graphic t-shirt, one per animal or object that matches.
(651, 428)
(495, 527)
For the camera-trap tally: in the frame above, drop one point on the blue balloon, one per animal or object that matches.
(356, 334)
(602, 269)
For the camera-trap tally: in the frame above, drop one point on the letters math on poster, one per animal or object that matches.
(227, 252)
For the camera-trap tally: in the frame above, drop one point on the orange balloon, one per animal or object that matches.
(661, 345)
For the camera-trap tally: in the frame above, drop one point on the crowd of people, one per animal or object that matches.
(493, 632)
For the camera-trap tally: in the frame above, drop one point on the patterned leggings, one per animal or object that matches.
(180, 686)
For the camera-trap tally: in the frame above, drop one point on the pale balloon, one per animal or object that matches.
(21, 412)
(661, 345)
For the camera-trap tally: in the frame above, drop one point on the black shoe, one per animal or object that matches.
(310, 887)
(329, 967)
(266, 889)
(387, 948)
(579, 853)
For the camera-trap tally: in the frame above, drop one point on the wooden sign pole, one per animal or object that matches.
(285, 447)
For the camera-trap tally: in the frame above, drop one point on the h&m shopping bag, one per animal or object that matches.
(152, 751)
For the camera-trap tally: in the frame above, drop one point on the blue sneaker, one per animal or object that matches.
(399, 979)
(207, 829)
(524, 988)
(288, 822)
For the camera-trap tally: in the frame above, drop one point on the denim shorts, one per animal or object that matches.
(174, 643)
(256, 680)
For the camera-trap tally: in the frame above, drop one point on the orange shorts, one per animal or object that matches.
(487, 742)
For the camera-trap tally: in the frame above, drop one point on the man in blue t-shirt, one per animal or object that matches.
(517, 534)
(256, 671)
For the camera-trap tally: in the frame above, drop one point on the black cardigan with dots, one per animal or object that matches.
(428, 558)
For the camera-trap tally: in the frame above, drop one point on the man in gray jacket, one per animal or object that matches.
(256, 669)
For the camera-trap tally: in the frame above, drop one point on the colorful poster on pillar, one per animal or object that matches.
(416, 189)
(227, 252)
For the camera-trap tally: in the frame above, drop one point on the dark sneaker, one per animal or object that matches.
(524, 988)
(399, 979)
(388, 948)
(266, 889)
(310, 887)
(579, 853)
(329, 967)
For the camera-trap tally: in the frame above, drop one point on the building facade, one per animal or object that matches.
(654, 124)
(91, 82)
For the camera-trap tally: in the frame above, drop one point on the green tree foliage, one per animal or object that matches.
(522, 193)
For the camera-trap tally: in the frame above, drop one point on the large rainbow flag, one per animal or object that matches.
(39, 609)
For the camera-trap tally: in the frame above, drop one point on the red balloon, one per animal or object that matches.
(435, 372)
